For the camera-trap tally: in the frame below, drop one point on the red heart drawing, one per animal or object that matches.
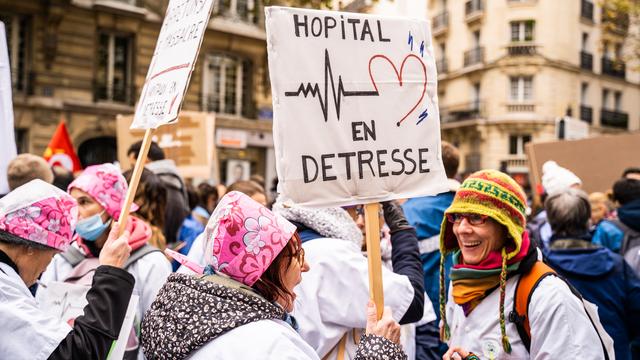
(399, 76)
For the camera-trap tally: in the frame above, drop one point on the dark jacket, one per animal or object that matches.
(605, 279)
(611, 236)
(177, 202)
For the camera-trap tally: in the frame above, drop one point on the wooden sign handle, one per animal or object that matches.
(135, 179)
(372, 225)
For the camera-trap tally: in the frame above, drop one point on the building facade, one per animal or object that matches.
(85, 61)
(509, 68)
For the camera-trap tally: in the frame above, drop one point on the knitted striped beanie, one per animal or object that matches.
(492, 193)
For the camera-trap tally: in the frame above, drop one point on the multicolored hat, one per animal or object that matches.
(41, 213)
(492, 193)
(496, 194)
(106, 185)
(243, 237)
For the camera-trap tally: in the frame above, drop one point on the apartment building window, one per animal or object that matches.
(244, 10)
(475, 96)
(517, 143)
(18, 39)
(114, 77)
(521, 88)
(605, 98)
(586, 111)
(227, 85)
(522, 31)
(617, 101)
(585, 41)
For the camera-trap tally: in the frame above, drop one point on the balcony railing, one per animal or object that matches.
(440, 23)
(521, 107)
(516, 49)
(614, 119)
(586, 114)
(116, 93)
(474, 56)
(460, 112)
(473, 9)
(442, 66)
(614, 68)
(586, 60)
(586, 10)
(516, 164)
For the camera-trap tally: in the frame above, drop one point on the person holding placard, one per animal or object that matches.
(100, 192)
(37, 221)
(329, 319)
(240, 308)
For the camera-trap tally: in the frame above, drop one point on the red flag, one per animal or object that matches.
(60, 150)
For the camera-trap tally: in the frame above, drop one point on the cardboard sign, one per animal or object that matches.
(66, 302)
(355, 107)
(190, 143)
(172, 63)
(597, 161)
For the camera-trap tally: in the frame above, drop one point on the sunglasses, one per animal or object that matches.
(473, 219)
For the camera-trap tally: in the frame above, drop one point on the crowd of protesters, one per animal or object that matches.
(234, 273)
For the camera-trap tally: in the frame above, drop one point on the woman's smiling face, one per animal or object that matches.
(477, 241)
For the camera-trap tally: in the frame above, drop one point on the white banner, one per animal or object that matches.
(7, 139)
(355, 107)
(172, 63)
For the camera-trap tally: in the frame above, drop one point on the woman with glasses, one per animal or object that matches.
(484, 229)
(239, 307)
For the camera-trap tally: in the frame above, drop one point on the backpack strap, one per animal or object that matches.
(73, 256)
(628, 234)
(139, 254)
(524, 289)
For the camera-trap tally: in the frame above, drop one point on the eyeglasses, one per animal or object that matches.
(299, 253)
(473, 219)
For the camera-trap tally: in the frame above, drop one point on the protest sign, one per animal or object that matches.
(172, 63)
(7, 140)
(355, 107)
(168, 77)
(189, 142)
(66, 302)
(608, 156)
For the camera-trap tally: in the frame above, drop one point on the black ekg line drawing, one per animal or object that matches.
(337, 94)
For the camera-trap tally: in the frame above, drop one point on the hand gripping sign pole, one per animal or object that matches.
(372, 226)
(168, 78)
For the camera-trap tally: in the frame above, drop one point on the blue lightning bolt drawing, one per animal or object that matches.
(422, 116)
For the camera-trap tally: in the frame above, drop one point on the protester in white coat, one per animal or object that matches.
(37, 221)
(240, 309)
(484, 228)
(100, 192)
(328, 301)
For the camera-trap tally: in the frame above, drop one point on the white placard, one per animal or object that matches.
(355, 107)
(172, 63)
(66, 302)
(7, 140)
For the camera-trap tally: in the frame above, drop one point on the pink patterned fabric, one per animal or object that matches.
(41, 213)
(106, 185)
(243, 237)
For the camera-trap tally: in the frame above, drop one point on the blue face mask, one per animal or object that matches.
(92, 227)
